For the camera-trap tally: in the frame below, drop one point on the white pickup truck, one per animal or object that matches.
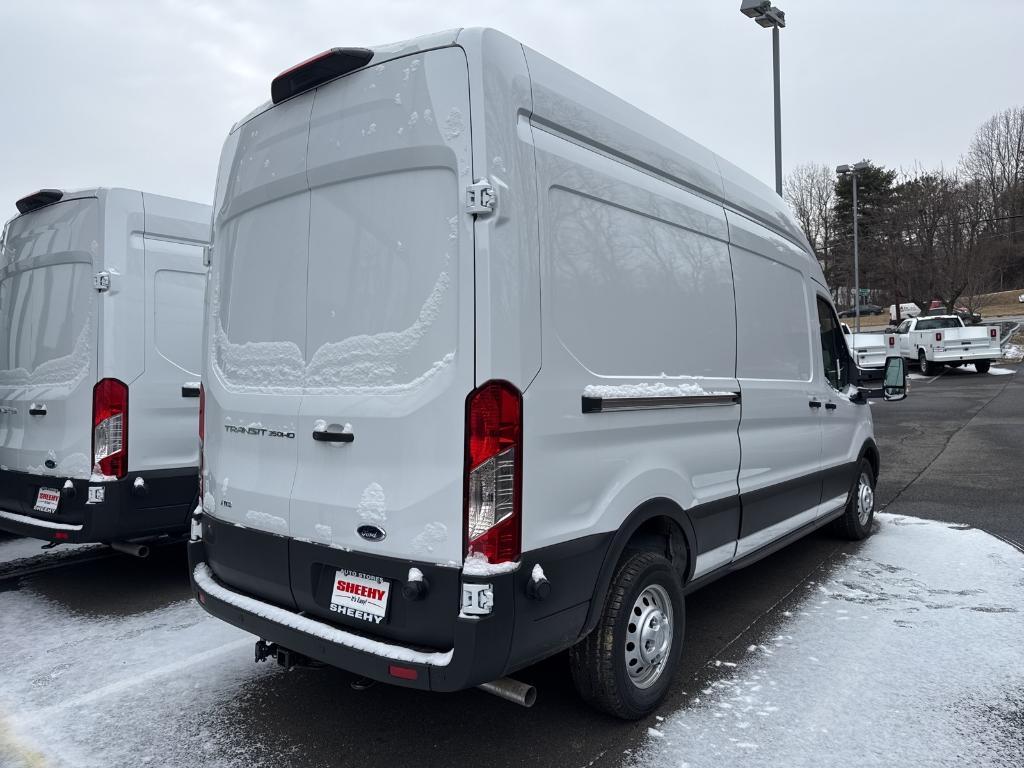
(868, 350)
(944, 340)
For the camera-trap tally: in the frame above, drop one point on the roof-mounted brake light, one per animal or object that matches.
(317, 70)
(38, 200)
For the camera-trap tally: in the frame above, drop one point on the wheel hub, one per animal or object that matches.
(865, 498)
(649, 636)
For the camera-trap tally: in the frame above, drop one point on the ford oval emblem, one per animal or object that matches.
(371, 532)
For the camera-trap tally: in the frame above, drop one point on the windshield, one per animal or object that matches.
(936, 323)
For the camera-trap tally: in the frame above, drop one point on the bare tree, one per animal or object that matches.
(810, 191)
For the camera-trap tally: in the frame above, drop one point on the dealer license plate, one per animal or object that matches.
(360, 596)
(47, 500)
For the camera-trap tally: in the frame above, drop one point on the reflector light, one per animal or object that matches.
(892, 341)
(110, 427)
(403, 673)
(317, 70)
(60, 536)
(992, 332)
(938, 337)
(493, 480)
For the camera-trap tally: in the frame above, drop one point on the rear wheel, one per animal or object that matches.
(855, 523)
(927, 367)
(982, 366)
(626, 665)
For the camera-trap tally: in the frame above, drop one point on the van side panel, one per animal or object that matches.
(637, 292)
(507, 254)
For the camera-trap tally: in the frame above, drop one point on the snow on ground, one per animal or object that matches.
(15, 552)
(83, 689)
(1013, 353)
(911, 654)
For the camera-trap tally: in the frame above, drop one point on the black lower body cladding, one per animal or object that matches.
(159, 506)
(285, 574)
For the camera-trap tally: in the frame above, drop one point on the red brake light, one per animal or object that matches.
(110, 428)
(938, 337)
(317, 70)
(493, 478)
(892, 341)
(992, 332)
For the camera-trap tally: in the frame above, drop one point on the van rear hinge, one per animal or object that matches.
(481, 198)
(101, 281)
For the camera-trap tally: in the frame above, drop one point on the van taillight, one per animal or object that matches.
(938, 337)
(493, 473)
(110, 428)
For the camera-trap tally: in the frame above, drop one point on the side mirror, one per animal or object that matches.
(894, 380)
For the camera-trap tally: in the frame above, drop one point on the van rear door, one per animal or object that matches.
(389, 346)
(48, 330)
(256, 326)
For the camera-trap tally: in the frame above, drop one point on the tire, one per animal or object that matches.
(927, 368)
(855, 522)
(982, 366)
(598, 662)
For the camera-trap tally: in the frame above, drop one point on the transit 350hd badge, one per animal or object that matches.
(258, 431)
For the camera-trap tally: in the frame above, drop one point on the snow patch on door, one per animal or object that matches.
(363, 364)
(373, 507)
(431, 537)
(266, 522)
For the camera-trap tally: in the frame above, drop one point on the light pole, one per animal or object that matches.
(767, 15)
(852, 171)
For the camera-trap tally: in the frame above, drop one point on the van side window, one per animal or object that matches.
(834, 353)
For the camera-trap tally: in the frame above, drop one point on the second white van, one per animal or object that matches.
(101, 295)
(487, 378)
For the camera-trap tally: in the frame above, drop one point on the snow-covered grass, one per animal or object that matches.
(909, 654)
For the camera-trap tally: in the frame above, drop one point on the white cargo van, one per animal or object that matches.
(464, 407)
(101, 295)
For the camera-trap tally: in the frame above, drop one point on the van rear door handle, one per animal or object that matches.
(815, 404)
(333, 437)
(187, 390)
(830, 406)
(37, 410)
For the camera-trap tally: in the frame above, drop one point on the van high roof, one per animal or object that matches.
(562, 97)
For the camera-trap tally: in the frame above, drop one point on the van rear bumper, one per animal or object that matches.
(478, 654)
(158, 507)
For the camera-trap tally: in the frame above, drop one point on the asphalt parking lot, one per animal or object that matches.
(952, 451)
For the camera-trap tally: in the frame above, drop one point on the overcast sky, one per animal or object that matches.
(141, 94)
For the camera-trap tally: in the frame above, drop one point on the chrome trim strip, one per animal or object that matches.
(765, 536)
(603, 404)
(716, 558)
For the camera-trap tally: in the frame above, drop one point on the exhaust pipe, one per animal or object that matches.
(135, 550)
(511, 690)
